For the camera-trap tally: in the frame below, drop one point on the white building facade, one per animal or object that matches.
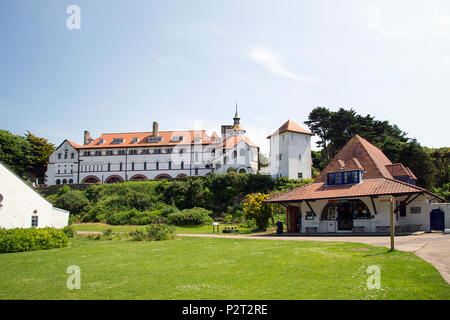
(22, 207)
(290, 152)
(155, 155)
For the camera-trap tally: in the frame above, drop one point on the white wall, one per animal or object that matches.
(20, 202)
(295, 150)
(382, 218)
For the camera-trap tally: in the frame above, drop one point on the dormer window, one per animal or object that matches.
(154, 139)
(177, 139)
(101, 141)
(117, 140)
(343, 178)
(197, 140)
(135, 140)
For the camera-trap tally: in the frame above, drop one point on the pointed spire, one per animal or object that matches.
(236, 115)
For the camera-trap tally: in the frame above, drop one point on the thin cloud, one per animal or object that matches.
(270, 62)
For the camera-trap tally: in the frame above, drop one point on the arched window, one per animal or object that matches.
(72, 155)
(58, 181)
(70, 180)
(182, 164)
(132, 166)
(330, 212)
(157, 165)
(170, 165)
(234, 154)
(59, 155)
(360, 210)
(109, 166)
(64, 181)
(66, 153)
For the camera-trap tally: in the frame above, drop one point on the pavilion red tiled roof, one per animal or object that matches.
(369, 187)
(367, 156)
(290, 126)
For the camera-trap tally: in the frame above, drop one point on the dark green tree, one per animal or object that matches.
(40, 150)
(15, 152)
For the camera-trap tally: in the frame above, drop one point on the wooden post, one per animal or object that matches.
(391, 214)
(392, 223)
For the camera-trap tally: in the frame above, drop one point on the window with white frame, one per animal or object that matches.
(34, 221)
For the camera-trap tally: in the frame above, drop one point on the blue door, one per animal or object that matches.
(436, 219)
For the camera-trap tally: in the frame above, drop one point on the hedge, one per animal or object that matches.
(18, 240)
(190, 217)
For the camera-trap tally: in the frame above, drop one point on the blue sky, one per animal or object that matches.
(185, 63)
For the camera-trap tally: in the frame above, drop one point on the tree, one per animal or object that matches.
(40, 151)
(15, 152)
(255, 208)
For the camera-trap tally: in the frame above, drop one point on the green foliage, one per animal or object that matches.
(18, 240)
(154, 232)
(133, 217)
(40, 150)
(190, 217)
(68, 230)
(73, 201)
(26, 156)
(255, 208)
(145, 201)
(15, 152)
(443, 191)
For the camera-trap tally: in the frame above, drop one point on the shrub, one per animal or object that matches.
(255, 208)
(73, 201)
(155, 231)
(190, 217)
(133, 217)
(18, 240)
(68, 230)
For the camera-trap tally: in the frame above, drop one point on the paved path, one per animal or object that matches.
(432, 247)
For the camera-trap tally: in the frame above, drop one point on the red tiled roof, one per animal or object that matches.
(368, 187)
(367, 156)
(232, 141)
(188, 138)
(73, 144)
(290, 126)
(397, 169)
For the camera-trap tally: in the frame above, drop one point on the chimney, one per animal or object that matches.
(87, 135)
(155, 129)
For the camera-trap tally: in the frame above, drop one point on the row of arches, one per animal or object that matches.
(137, 177)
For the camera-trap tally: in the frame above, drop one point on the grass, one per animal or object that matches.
(209, 268)
(205, 229)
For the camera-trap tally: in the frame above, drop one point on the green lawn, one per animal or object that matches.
(205, 229)
(202, 268)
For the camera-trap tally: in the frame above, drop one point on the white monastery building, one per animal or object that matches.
(22, 207)
(155, 155)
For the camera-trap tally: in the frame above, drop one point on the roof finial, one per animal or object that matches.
(236, 115)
